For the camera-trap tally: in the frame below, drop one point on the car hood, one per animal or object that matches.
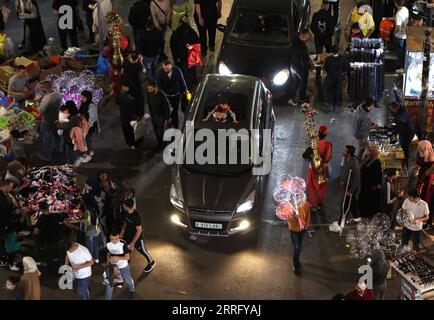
(215, 192)
(259, 61)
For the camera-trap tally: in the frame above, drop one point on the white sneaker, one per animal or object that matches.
(13, 267)
(291, 102)
(96, 261)
(335, 227)
(78, 162)
(87, 158)
(357, 219)
(133, 148)
(91, 153)
(400, 70)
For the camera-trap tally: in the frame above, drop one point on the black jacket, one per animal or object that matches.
(6, 211)
(183, 34)
(173, 85)
(139, 14)
(322, 24)
(130, 106)
(159, 106)
(151, 43)
(404, 126)
(336, 66)
(299, 56)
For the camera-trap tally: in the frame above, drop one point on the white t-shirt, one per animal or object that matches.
(119, 249)
(401, 19)
(79, 256)
(418, 210)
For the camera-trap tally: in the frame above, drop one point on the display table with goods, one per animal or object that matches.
(77, 59)
(417, 276)
(391, 154)
(57, 187)
(413, 76)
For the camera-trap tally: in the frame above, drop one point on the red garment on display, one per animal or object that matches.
(194, 56)
(316, 191)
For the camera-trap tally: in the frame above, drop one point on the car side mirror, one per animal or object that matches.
(221, 27)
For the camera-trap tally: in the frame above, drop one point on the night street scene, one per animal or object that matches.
(216, 150)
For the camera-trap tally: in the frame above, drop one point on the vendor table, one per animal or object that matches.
(417, 276)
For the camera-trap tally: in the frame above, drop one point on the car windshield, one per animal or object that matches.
(264, 28)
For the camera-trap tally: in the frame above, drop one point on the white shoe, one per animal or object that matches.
(400, 70)
(78, 162)
(335, 227)
(13, 267)
(357, 219)
(96, 261)
(133, 148)
(91, 153)
(291, 102)
(87, 158)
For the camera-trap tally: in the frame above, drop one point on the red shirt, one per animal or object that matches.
(367, 295)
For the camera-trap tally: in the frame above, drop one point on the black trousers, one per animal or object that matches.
(158, 124)
(63, 34)
(140, 246)
(138, 34)
(128, 131)
(174, 102)
(352, 205)
(89, 23)
(333, 91)
(323, 42)
(405, 145)
(209, 29)
(297, 241)
(299, 81)
(408, 234)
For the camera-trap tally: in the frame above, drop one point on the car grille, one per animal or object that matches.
(209, 211)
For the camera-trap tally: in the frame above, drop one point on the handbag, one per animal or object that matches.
(194, 56)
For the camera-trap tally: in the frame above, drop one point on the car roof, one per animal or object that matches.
(266, 5)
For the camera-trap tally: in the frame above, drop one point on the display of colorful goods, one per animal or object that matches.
(57, 187)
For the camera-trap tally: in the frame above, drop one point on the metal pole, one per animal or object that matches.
(425, 70)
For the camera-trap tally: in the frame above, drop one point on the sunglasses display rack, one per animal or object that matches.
(417, 276)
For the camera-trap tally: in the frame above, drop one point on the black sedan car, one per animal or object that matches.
(258, 37)
(226, 151)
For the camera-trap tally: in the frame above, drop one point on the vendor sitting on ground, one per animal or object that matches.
(18, 86)
(221, 113)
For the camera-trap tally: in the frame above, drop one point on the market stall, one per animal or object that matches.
(391, 153)
(417, 276)
(413, 76)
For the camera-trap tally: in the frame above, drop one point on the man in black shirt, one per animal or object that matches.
(63, 33)
(138, 16)
(300, 64)
(48, 232)
(159, 108)
(206, 14)
(132, 232)
(150, 47)
(6, 215)
(336, 66)
(322, 27)
(170, 81)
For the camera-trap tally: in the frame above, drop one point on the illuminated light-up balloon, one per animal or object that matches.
(284, 211)
(282, 195)
(297, 183)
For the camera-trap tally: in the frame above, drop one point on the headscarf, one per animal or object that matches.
(426, 151)
(30, 265)
(84, 106)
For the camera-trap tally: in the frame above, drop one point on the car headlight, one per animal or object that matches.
(281, 77)
(223, 69)
(248, 204)
(176, 198)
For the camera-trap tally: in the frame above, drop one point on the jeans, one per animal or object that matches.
(299, 80)
(400, 45)
(49, 138)
(83, 288)
(126, 275)
(414, 235)
(174, 102)
(297, 241)
(151, 66)
(93, 244)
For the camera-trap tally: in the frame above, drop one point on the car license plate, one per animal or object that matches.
(208, 225)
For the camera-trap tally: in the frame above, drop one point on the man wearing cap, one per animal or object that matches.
(18, 85)
(366, 21)
(317, 191)
(132, 232)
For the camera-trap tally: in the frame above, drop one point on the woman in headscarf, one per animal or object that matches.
(371, 176)
(380, 267)
(29, 281)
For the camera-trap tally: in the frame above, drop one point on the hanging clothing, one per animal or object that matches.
(369, 197)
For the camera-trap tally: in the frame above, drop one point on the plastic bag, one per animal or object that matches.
(141, 126)
(102, 66)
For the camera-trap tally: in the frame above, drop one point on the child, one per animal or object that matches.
(119, 254)
(12, 286)
(90, 111)
(12, 246)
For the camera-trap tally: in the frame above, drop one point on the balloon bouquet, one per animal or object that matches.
(290, 195)
(404, 216)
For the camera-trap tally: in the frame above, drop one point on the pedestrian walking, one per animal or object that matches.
(362, 125)
(380, 268)
(91, 226)
(317, 191)
(29, 281)
(29, 12)
(181, 9)
(418, 211)
(161, 11)
(81, 262)
(297, 226)
(48, 109)
(151, 46)
(138, 17)
(206, 15)
(159, 108)
(336, 67)
(63, 32)
(171, 82)
(105, 6)
(322, 26)
(400, 34)
(391, 194)
(118, 254)
(132, 233)
(88, 8)
(300, 65)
